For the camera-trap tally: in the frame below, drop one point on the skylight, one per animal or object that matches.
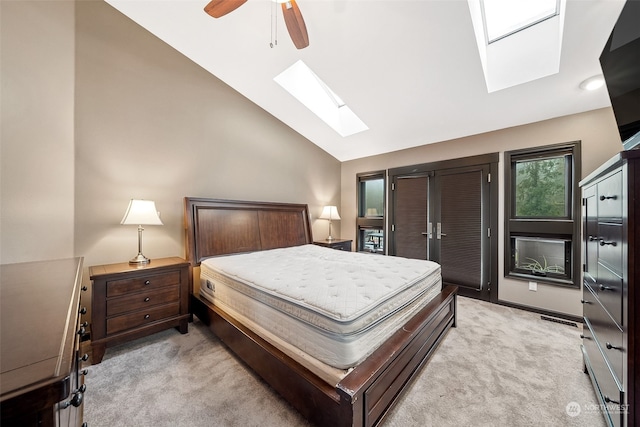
(506, 17)
(314, 94)
(518, 40)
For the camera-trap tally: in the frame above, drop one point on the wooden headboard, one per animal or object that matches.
(220, 227)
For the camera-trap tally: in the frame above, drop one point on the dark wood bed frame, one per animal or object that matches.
(365, 395)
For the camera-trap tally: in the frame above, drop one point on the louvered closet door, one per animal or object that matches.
(461, 234)
(410, 198)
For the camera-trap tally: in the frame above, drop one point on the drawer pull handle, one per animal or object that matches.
(605, 288)
(84, 372)
(608, 197)
(147, 282)
(603, 243)
(84, 358)
(584, 338)
(147, 299)
(84, 288)
(76, 400)
(584, 301)
(609, 400)
(146, 316)
(593, 238)
(82, 331)
(83, 310)
(612, 347)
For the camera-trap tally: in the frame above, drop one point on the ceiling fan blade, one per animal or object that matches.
(295, 24)
(218, 8)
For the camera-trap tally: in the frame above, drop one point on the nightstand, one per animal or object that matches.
(131, 302)
(339, 244)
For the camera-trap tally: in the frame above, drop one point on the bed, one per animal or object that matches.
(359, 395)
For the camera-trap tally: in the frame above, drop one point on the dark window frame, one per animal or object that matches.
(364, 222)
(566, 227)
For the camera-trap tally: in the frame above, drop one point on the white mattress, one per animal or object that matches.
(333, 306)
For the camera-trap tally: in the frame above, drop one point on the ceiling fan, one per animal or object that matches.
(290, 10)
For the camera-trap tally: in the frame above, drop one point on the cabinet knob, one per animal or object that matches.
(612, 347)
(84, 372)
(584, 301)
(582, 336)
(592, 238)
(82, 331)
(147, 299)
(604, 243)
(84, 288)
(146, 316)
(614, 197)
(84, 358)
(605, 288)
(147, 282)
(83, 310)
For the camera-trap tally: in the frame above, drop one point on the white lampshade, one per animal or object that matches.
(141, 212)
(330, 213)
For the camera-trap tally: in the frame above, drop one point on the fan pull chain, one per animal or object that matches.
(274, 23)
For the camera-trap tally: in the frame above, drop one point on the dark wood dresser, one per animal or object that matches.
(611, 280)
(41, 381)
(130, 302)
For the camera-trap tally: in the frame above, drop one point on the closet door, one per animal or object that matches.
(461, 243)
(411, 217)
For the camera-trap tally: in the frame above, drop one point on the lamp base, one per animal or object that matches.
(139, 260)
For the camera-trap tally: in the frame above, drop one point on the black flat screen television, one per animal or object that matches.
(620, 62)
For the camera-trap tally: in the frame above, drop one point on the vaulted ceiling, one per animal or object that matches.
(410, 69)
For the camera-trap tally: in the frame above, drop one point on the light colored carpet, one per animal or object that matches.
(500, 367)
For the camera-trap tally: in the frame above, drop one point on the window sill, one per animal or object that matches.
(542, 279)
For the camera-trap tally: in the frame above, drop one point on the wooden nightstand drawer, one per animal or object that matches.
(142, 300)
(124, 286)
(142, 317)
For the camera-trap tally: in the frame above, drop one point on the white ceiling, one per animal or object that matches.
(410, 69)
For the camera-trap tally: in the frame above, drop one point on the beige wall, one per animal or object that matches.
(148, 123)
(36, 125)
(151, 124)
(598, 133)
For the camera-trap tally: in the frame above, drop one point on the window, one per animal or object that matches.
(371, 202)
(541, 205)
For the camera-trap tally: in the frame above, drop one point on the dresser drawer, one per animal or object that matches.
(610, 197)
(607, 386)
(142, 317)
(135, 284)
(610, 246)
(608, 288)
(142, 300)
(604, 330)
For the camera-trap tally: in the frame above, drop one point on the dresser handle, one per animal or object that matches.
(584, 301)
(76, 400)
(584, 338)
(147, 299)
(608, 400)
(612, 347)
(605, 288)
(593, 238)
(147, 282)
(82, 331)
(84, 358)
(84, 372)
(83, 310)
(603, 243)
(146, 316)
(608, 197)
